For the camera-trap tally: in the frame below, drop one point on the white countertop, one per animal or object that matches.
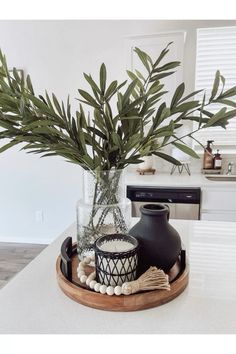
(133, 178)
(33, 303)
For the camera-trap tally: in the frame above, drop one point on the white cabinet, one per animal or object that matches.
(218, 216)
(218, 204)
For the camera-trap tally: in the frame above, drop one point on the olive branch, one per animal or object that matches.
(109, 137)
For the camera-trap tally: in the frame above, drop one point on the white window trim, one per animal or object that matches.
(226, 149)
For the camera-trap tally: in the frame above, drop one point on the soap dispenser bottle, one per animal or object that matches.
(217, 161)
(208, 158)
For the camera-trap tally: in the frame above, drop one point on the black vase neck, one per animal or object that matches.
(154, 210)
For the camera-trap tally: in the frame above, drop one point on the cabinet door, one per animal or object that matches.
(218, 216)
(187, 211)
(218, 199)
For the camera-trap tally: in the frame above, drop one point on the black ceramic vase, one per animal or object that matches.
(160, 243)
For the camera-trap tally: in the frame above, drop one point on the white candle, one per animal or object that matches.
(116, 246)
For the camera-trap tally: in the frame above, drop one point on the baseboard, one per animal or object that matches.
(39, 241)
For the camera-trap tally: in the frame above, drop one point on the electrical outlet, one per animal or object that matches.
(39, 216)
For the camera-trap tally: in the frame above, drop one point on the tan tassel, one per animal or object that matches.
(152, 279)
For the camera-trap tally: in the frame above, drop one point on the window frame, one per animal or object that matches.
(226, 149)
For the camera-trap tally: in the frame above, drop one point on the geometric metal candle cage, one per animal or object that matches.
(116, 268)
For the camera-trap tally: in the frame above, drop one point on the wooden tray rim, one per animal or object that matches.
(139, 301)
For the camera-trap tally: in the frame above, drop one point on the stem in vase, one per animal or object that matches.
(109, 197)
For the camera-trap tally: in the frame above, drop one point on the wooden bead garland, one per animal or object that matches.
(152, 279)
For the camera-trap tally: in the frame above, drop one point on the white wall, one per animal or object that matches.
(56, 53)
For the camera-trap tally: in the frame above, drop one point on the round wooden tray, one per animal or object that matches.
(144, 300)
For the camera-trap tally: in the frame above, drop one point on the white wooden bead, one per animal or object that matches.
(83, 278)
(80, 273)
(81, 266)
(88, 281)
(97, 287)
(103, 289)
(87, 260)
(92, 284)
(91, 277)
(110, 290)
(117, 290)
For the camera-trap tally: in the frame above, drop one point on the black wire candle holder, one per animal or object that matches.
(116, 267)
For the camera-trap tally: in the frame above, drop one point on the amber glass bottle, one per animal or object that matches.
(208, 158)
(217, 161)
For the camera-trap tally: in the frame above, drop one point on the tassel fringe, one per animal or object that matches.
(152, 279)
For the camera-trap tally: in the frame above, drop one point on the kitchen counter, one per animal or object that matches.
(132, 178)
(33, 303)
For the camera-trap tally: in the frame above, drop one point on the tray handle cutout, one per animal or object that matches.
(66, 253)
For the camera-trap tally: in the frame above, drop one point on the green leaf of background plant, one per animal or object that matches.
(132, 105)
(167, 66)
(134, 78)
(121, 85)
(194, 93)
(39, 104)
(161, 76)
(88, 98)
(92, 83)
(177, 95)
(229, 93)
(103, 77)
(216, 117)
(128, 92)
(143, 57)
(16, 75)
(162, 55)
(167, 157)
(111, 88)
(215, 85)
(140, 75)
(227, 102)
(57, 105)
(8, 146)
(155, 87)
(187, 150)
(184, 107)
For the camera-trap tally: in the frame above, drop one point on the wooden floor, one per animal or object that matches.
(14, 257)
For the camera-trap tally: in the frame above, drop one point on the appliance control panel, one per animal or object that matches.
(165, 194)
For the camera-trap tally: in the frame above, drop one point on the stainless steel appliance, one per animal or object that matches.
(184, 203)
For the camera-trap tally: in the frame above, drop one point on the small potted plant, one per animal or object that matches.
(147, 156)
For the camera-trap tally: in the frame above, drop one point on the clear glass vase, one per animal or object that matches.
(103, 210)
(103, 187)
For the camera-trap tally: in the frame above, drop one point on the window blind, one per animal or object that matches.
(216, 50)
